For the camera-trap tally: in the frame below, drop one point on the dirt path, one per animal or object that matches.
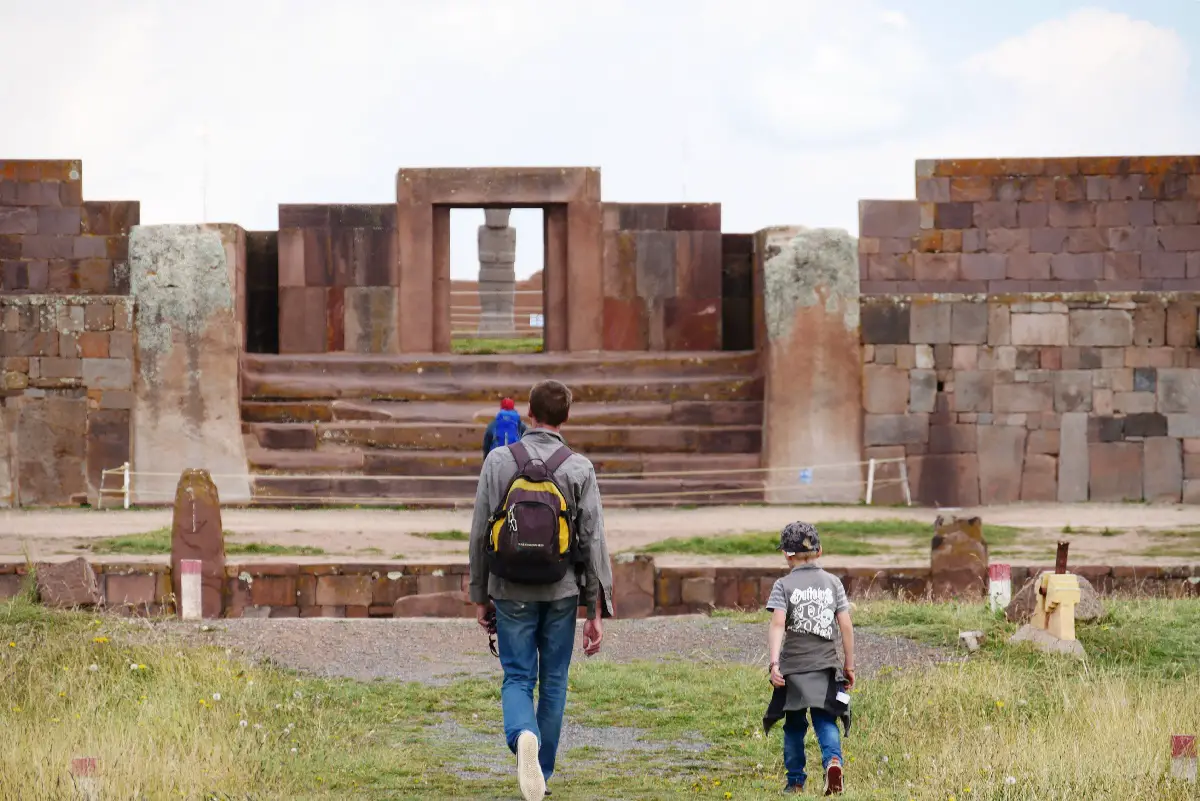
(377, 534)
(437, 651)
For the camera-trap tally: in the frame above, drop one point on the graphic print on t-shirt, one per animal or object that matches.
(811, 611)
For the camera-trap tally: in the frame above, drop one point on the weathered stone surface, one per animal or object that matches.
(895, 429)
(1039, 481)
(922, 390)
(1022, 398)
(1073, 462)
(888, 218)
(1182, 325)
(930, 323)
(435, 604)
(1024, 601)
(885, 323)
(51, 433)
(1039, 329)
(196, 533)
(1115, 471)
(1001, 459)
(958, 559)
(698, 591)
(633, 586)
(184, 279)
(1163, 482)
(959, 438)
(68, 584)
(1149, 326)
(944, 480)
(973, 391)
(1073, 391)
(344, 590)
(811, 307)
(1146, 424)
(885, 389)
(1178, 391)
(1111, 328)
(969, 324)
(372, 319)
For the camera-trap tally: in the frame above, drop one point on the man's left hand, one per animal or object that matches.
(593, 635)
(481, 615)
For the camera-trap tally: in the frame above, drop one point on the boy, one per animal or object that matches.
(805, 668)
(505, 429)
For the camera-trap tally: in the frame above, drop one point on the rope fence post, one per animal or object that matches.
(904, 482)
(870, 481)
(125, 483)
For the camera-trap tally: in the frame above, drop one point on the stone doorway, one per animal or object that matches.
(497, 289)
(571, 278)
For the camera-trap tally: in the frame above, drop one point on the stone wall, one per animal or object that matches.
(371, 590)
(66, 391)
(997, 399)
(51, 241)
(338, 280)
(1037, 225)
(662, 276)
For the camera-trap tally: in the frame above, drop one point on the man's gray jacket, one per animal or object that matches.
(577, 480)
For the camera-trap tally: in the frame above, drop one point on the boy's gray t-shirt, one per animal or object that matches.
(812, 598)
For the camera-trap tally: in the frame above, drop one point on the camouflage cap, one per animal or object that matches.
(799, 538)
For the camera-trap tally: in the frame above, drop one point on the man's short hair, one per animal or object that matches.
(550, 403)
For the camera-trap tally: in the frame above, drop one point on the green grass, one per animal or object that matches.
(453, 535)
(838, 538)
(1059, 728)
(480, 346)
(157, 542)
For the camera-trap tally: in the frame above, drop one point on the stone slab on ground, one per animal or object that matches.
(1046, 642)
(68, 584)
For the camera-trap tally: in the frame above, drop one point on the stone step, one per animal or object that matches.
(417, 491)
(530, 367)
(488, 390)
(469, 437)
(680, 413)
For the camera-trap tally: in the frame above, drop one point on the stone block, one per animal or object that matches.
(1073, 464)
(1043, 440)
(1072, 391)
(969, 323)
(273, 591)
(1146, 425)
(1145, 379)
(953, 216)
(1181, 325)
(108, 443)
(1029, 266)
(984, 266)
(1134, 402)
(108, 373)
(54, 471)
(922, 391)
(1022, 398)
(66, 585)
(895, 429)
(692, 324)
(885, 389)
(130, 589)
(958, 559)
(966, 357)
(372, 322)
(698, 591)
(1183, 425)
(1100, 328)
(1001, 459)
(1115, 471)
(302, 325)
(633, 586)
(953, 438)
(888, 218)
(1040, 329)
(973, 391)
(944, 479)
(1149, 326)
(343, 590)
(439, 604)
(886, 323)
(1163, 480)
(930, 323)
(1178, 390)
(1039, 481)
(999, 325)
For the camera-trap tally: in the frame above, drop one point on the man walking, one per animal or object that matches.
(537, 546)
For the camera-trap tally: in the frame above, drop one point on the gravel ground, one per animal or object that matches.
(440, 650)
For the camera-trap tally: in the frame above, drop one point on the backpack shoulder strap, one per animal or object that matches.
(557, 458)
(520, 453)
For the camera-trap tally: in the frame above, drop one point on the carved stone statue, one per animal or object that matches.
(497, 273)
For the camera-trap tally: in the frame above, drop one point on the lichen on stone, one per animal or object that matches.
(812, 265)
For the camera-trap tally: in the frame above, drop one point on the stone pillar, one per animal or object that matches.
(812, 365)
(196, 534)
(187, 411)
(497, 273)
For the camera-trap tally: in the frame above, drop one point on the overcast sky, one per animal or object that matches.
(784, 111)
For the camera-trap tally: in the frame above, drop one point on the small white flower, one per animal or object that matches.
(291, 726)
(1022, 702)
(279, 706)
(885, 759)
(1010, 779)
(133, 666)
(249, 682)
(228, 652)
(93, 667)
(293, 750)
(216, 696)
(258, 725)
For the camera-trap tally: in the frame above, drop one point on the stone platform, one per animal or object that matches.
(410, 428)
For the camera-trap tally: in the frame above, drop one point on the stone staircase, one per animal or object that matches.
(662, 429)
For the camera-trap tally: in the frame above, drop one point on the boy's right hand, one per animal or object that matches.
(777, 677)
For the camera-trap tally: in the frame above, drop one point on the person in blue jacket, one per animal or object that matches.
(506, 429)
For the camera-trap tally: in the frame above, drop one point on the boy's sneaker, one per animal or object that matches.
(796, 789)
(529, 771)
(833, 777)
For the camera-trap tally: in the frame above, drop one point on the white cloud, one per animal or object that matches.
(785, 111)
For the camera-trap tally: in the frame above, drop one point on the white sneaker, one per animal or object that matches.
(529, 771)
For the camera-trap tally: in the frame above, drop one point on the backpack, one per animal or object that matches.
(531, 538)
(508, 428)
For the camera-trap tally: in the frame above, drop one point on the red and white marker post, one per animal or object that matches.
(83, 774)
(189, 589)
(1183, 757)
(999, 586)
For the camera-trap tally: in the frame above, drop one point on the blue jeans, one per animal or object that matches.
(795, 727)
(535, 639)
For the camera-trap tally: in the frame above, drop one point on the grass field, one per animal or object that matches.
(172, 721)
(838, 538)
(482, 346)
(156, 542)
